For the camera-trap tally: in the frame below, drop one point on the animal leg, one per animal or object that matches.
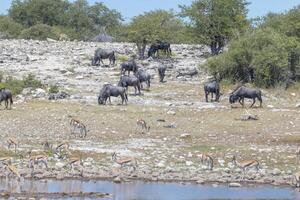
(252, 103)
(206, 96)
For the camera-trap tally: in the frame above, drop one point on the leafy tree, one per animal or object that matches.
(150, 26)
(39, 32)
(32, 12)
(9, 28)
(216, 21)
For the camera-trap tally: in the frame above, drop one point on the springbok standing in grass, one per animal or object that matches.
(62, 147)
(296, 179)
(141, 126)
(246, 164)
(12, 170)
(36, 160)
(207, 160)
(75, 162)
(77, 127)
(125, 162)
(12, 142)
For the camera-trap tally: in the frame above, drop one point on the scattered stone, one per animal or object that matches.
(173, 125)
(298, 105)
(117, 180)
(276, 172)
(185, 135)
(59, 95)
(171, 112)
(246, 117)
(235, 185)
(38, 93)
(270, 106)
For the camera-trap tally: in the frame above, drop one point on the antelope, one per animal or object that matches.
(5, 160)
(141, 125)
(64, 146)
(208, 160)
(296, 179)
(35, 160)
(76, 126)
(246, 164)
(75, 161)
(123, 162)
(12, 170)
(12, 142)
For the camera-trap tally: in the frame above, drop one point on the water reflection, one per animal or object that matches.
(150, 191)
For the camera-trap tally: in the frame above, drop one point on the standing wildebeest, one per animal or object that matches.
(103, 54)
(6, 95)
(159, 45)
(130, 80)
(143, 76)
(161, 72)
(243, 92)
(212, 87)
(109, 90)
(129, 66)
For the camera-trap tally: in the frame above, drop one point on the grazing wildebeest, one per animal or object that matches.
(6, 95)
(243, 92)
(161, 72)
(109, 90)
(130, 80)
(103, 54)
(143, 76)
(129, 66)
(159, 45)
(213, 88)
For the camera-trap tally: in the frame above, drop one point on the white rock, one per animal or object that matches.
(298, 105)
(189, 163)
(276, 172)
(235, 185)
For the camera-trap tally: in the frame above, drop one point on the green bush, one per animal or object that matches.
(263, 57)
(16, 86)
(9, 28)
(39, 32)
(53, 89)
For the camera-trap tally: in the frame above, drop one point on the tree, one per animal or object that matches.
(9, 28)
(32, 12)
(146, 28)
(216, 21)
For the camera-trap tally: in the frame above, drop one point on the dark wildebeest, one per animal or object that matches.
(130, 80)
(143, 76)
(129, 66)
(161, 72)
(103, 54)
(243, 92)
(6, 95)
(159, 45)
(109, 90)
(213, 88)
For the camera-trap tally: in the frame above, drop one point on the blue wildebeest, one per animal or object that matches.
(161, 72)
(103, 54)
(6, 95)
(159, 45)
(129, 66)
(130, 80)
(243, 92)
(109, 90)
(213, 88)
(143, 76)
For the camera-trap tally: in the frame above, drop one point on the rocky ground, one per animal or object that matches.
(182, 125)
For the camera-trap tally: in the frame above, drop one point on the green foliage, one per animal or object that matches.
(9, 28)
(216, 21)
(39, 32)
(53, 89)
(261, 56)
(16, 86)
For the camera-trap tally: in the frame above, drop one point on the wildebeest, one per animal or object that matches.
(161, 72)
(143, 76)
(213, 88)
(159, 45)
(243, 92)
(109, 90)
(129, 66)
(103, 54)
(130, 80)
(6, 95)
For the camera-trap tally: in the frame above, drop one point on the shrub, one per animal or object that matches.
(39, 32)
(9, 28)
(53, 89)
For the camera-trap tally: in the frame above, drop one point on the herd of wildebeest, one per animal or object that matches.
(136, 80)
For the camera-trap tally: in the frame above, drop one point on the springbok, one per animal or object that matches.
(207, 160)
(64, 146)
(12, 170)
(75, 162)
(296, 179)
(141, 125)
(123, 162)
(245, 164)
(77, 127)
(12, 142)
(35, 160)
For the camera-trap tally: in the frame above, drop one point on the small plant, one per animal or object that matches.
(123, 58)
(53, 89)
